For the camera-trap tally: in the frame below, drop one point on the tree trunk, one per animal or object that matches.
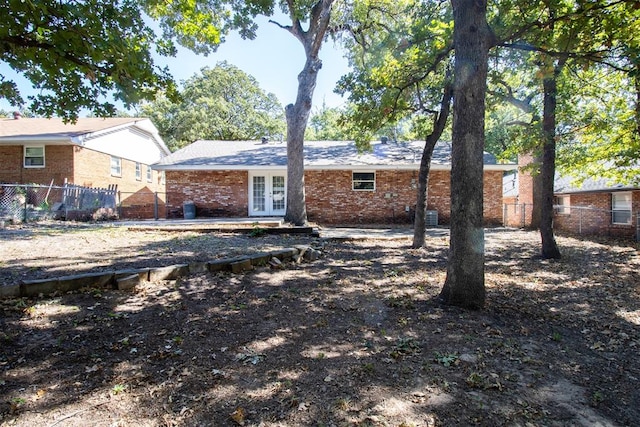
(298, 114)
(464, 285)
(297, 117)
(440, 122)
(548, 168)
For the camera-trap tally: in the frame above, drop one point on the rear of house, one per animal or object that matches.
(342, 185)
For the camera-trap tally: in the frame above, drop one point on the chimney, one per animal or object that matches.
(17, 115)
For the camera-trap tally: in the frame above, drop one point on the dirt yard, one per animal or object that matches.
(357, 338)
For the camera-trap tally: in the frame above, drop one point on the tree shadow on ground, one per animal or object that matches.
(356, 338)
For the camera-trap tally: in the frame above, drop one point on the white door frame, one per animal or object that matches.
(264, 201)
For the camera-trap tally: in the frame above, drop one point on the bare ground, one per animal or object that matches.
(357, 338)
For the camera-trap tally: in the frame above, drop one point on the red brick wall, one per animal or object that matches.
(525, 193)
(215, 194)
(58, 165)
(93, 169)
(136, 196)
(597, 220)
(329, 197)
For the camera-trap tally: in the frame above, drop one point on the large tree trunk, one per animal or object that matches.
(548, 168)
(464, 285)
(298, 114)
(440, 122)
(297, 117)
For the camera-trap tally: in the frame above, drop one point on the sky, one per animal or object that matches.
(274, 58)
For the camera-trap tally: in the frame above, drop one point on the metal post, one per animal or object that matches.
(25, 217)
(580, 221)
(119, 206)
(155, 205)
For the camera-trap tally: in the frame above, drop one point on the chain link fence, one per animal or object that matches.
(580, 220)
(22, 203)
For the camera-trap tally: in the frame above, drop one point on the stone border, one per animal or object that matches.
(128, 279)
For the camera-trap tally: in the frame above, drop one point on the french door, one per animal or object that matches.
(267, 194)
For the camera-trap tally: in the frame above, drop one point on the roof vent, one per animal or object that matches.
(265, 140)
(384, 139)
(17, 115)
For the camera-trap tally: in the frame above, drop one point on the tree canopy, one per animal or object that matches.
(80, 55)
(221, 103)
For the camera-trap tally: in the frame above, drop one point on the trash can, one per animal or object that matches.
(189, 210)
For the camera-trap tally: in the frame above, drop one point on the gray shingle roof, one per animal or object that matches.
(566, 185)
(220, 155)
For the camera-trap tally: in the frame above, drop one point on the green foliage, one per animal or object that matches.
(79, 55)
(400, 52)
(220, 103)
(326, 124)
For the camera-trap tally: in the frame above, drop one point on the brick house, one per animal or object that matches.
(594, 207)
(342, 186)
(93, 152)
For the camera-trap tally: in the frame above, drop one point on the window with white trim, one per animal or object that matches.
(563, 205)
(34, 156)
(149, 174)
(364, 181)
(138, 171)
(621, 208)
(116, 166)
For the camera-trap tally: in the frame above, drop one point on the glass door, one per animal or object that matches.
(268, 194)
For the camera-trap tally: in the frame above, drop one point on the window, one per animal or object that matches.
(149, 174)
(34, 157)
(563, 205)
(364, 181)
(138, 171)
(621, 208)
(116, 166)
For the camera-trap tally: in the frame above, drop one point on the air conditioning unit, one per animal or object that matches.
(431, 219)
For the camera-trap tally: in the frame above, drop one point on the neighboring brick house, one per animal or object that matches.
(342, 186)
(93, 152)
(594, 207)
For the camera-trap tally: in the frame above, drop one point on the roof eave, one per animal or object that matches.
(405, 167)
(50, 140)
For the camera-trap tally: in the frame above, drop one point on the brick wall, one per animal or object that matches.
(215, 194)
(329, 196)
(58, 165)
(525, 191)
(597, 219)
(93, 169)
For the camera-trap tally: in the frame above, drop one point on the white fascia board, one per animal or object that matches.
(143, 126)
(48, 140)
(437, 167)
(99, 133)
(215, 168)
